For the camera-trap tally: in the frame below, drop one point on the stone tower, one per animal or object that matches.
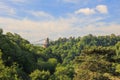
(46, 43)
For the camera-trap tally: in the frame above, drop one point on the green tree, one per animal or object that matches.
(8, 73)
(1, 31)
(40, 75)
(64, 72)
(117, 46)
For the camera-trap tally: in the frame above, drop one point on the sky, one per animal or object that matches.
(38, 19)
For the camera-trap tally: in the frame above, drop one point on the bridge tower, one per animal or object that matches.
(46, 43)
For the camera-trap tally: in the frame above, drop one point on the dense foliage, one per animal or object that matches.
(83, 58)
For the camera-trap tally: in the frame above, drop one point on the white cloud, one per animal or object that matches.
(97, 29)
(18, 1)
(103, 29)
(71, 1)
(5, 9)
(35, 30)
(102, 9)
(86, 11)
(40, 14)
(62, 27)
(72, 25)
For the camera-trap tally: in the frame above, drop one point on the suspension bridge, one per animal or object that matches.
(43, 42)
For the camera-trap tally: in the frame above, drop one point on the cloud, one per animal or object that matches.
(40, 14)
(103, 29)
(6, 10)
(72, 25)
(60, 27)
(18, 1)
(71, 1)
(86, 11)
(35, 30)
(102, 9)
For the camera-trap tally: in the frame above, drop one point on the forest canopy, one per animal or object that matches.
(83, 58)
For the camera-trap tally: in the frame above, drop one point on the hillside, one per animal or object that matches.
(83, 58)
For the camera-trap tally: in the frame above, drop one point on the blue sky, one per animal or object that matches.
(37, 19)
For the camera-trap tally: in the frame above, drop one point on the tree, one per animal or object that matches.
(1, 31)
(8, 73)
(93, 63)
(40, 75)
(64, 72)
(52, 64)
(117, 46)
